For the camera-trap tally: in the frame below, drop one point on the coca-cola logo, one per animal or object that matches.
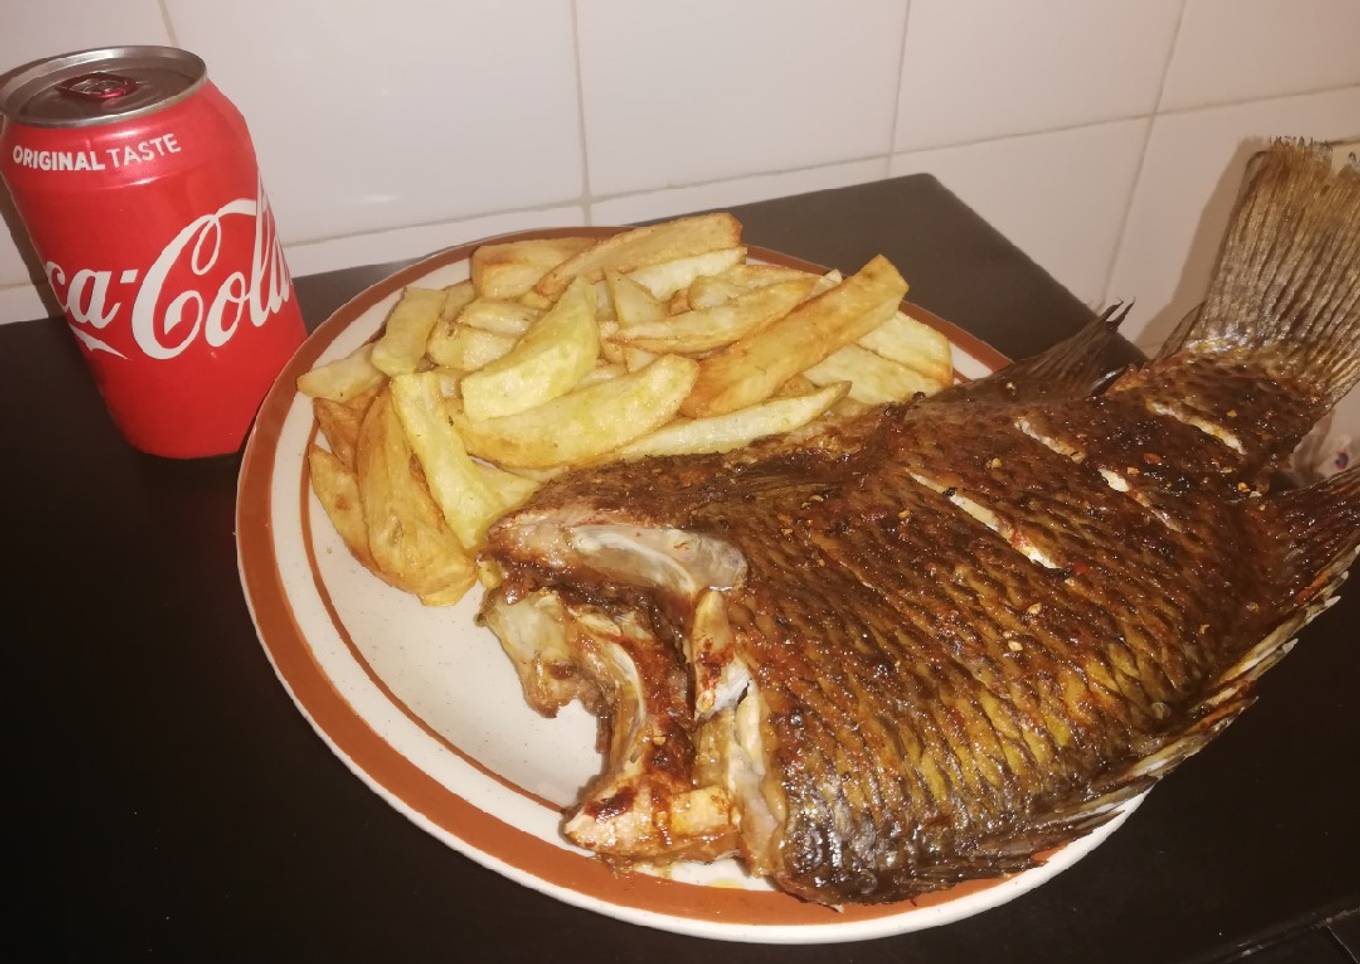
(169, 308)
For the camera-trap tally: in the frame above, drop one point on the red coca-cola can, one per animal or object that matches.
(137, 182)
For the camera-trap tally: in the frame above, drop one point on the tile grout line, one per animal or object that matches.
(586, 200)
(1077, 125)
(897, 97)
(741, 177)
(1123, 228)
(169, 24)
(457, 219)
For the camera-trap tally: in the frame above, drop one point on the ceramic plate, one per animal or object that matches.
(423, 706)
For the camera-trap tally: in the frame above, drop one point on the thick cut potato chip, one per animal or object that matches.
(604, 302)
(337, 490)
(707, 328)
(548, 361)
(712, 290)
(407, 536)
(709, 292)
(722, 433)
(456, 298)
(633, 305)
(469, 498)
(642, 247)
(669, 279)
(760, 275)
(751, 369)
(508, 318)
(874, 380)
(359, 403)
(468, 349)
(402, 344)
(512, 269)
(343, 379)
(635, 359)
(797, 385)
(585, 424)
(512, 490)
(602, 372)
(340, 424)
(908, 342)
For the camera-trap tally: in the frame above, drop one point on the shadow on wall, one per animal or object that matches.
(1204, 248)
(15, 227)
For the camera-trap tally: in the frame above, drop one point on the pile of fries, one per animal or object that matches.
(565, 352)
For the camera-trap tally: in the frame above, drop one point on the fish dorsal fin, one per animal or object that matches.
(1286, 287)
(1072, 368)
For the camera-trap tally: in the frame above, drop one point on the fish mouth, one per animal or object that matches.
(686, 774)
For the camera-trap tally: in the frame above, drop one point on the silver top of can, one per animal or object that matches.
(99, 86)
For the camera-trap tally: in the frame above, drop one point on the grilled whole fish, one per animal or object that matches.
(929, 643)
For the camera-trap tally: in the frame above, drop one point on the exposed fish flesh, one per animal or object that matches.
(928, 643)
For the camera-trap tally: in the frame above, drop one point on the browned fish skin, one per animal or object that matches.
(974, 624)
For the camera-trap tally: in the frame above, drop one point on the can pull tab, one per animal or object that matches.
(98, 86)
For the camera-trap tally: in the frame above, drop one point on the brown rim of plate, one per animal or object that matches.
(332, 715)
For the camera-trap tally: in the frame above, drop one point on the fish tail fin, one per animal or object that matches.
(1072, 368)
(1286, 287)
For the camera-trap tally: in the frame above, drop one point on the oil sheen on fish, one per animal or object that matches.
(931, 642)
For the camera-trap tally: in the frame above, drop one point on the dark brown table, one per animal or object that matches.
(169, 803)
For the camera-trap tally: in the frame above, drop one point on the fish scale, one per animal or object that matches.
(957, 642)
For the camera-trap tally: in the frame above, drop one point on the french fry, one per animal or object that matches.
(797, 385)
(408, 538)
(760, 275)
(337, 490)
(642, 247)
(511, 490)
(710, 290)
(751, 369)
(586, 423)
(468, 497)
(359, 403)
(612, 352)
(636, 359)
(670, 278)
(532, 299)
(722, 433)
(402, 344)
(456, 298)
(874, 380)
(602, 372)
(604, 302)
(468, 349)
(548, 361)
(508, 318)
(849, 408)
(344, 378)
(340, 424)
(706, 328)
(510, 270)
(679, 303)
(633, 305)
(908, 342)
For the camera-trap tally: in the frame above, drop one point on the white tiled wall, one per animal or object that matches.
(1104, 137)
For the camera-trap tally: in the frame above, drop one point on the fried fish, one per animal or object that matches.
(930, 642)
